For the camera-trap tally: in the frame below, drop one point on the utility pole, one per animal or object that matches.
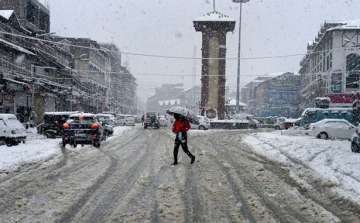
(194, 81)
(239, 56)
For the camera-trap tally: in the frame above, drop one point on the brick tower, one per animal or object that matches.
(214, 27)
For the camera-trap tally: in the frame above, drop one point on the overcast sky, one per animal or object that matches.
(270, 28)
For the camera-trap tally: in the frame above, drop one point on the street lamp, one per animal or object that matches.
(239, 55)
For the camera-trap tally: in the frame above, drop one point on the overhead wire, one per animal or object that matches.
(163, 56)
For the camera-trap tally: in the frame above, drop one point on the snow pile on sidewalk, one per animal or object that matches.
(37, 148)
(332, 160)
(32, 151)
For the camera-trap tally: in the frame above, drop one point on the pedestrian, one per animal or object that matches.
(180, 128)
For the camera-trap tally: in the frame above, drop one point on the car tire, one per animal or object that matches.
(97, 144)
(202, 127)
(355, 148)
(9, 142)
(323, 135)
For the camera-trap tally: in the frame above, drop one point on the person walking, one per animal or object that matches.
(180, 128)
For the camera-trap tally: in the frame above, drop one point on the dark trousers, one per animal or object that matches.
(183, 144)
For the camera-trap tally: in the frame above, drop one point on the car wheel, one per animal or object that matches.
(202, 127)
(355, 148)
(9, 143)
(323, 135)
(97, 144)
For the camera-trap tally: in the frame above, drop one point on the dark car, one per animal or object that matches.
(52, 126)
(151, 119)
(108, 122)
(355, 142)
(83, 129)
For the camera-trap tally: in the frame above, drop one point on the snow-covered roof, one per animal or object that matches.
(6, 14)
(16, 47)
(215, 16)
(353, 24)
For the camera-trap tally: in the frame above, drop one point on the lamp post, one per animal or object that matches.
(239, 55)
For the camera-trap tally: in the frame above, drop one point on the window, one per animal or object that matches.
(353, 71)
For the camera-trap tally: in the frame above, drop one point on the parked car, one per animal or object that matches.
(120, 120)
(52, 126)
(312, 115)
(204, 123)
(279, 123)
(164, 122)
(130, 120)
(83, 129)
(355, 141)
(12, 132)
(332, 128)
(107, 121)
(151, 119)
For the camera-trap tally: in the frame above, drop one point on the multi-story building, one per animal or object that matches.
(249, 90)
(165, 97)
(276, 96)
(332, 63)
(33, 15)
(55, 75)
(33, 73)
(122, 84)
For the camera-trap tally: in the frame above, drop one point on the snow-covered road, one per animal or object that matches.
(130, 180)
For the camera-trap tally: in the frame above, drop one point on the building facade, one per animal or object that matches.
(332, 63)
(38, 76)
(276, 96)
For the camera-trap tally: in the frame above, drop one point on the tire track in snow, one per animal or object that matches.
(113, 167)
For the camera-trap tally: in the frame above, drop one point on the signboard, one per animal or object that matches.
(345, 99)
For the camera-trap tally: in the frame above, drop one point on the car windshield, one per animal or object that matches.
(14, 123)
(82, 120)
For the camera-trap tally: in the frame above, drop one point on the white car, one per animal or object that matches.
(164, 122)
(130, 121)
(12, 132)
(204, 123)
(332, 128)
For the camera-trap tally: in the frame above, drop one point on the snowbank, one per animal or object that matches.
(32, 151)
(37, 148)
(332, 160)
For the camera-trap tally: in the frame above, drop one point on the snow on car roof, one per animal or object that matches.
(105, 115)
(60, 113)
(7, 116)
(83, 114)
(331, 120)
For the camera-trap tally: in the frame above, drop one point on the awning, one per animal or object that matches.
(16, 84)
(15, 47)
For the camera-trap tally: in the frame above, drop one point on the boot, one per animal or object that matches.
(192, 159)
